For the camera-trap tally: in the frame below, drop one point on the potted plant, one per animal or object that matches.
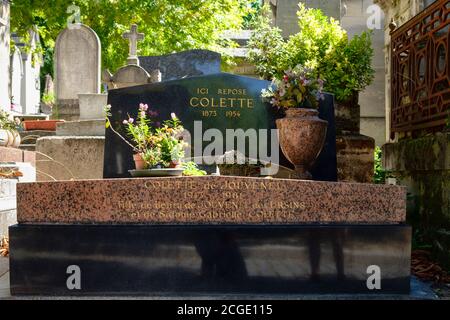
(158, 148)
(9, 135)
(301, 132)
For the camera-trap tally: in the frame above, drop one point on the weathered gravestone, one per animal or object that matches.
(77, 67)
(219, 101)
(183, 64)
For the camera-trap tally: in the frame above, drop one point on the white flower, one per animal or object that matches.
(173, 116)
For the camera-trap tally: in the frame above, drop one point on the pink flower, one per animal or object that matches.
(143, 107)
(125, 122)
(131, 120)
(142, 114)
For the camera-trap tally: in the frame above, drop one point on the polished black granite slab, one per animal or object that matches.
(153, 260)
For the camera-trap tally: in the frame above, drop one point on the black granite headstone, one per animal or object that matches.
(183, 64)
(220, 101)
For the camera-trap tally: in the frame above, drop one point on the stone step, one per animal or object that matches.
(94, 127)
(30, 136)
(9, 154)
(28, 146)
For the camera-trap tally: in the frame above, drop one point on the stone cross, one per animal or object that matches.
(133, 36)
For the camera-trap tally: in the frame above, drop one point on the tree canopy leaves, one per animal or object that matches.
(169, 25)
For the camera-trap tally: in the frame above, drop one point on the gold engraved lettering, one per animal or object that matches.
(193, 102)
(204, 102)
(223, 103)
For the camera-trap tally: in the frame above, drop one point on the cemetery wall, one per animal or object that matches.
(423, 164)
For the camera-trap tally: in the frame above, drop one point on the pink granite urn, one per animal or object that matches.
(301, 135)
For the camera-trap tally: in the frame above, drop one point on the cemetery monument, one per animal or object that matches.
(210, 234)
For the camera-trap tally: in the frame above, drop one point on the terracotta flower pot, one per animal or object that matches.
(49, 125)
(138, 161)
(175, 164)
(301, 136)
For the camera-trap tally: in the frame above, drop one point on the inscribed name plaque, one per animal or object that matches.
(211, 199)
(212, 106)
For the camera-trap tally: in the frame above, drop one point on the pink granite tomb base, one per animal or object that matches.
(209, 200)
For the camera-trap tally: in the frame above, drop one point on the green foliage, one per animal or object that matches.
(254, 8)
(266, 47)
(7, 122)
(322, 44)
(191, 169)
(348, 66)
(48, 98)
(169, 25)
(317, 37)
(47, 66)
(379, 176)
